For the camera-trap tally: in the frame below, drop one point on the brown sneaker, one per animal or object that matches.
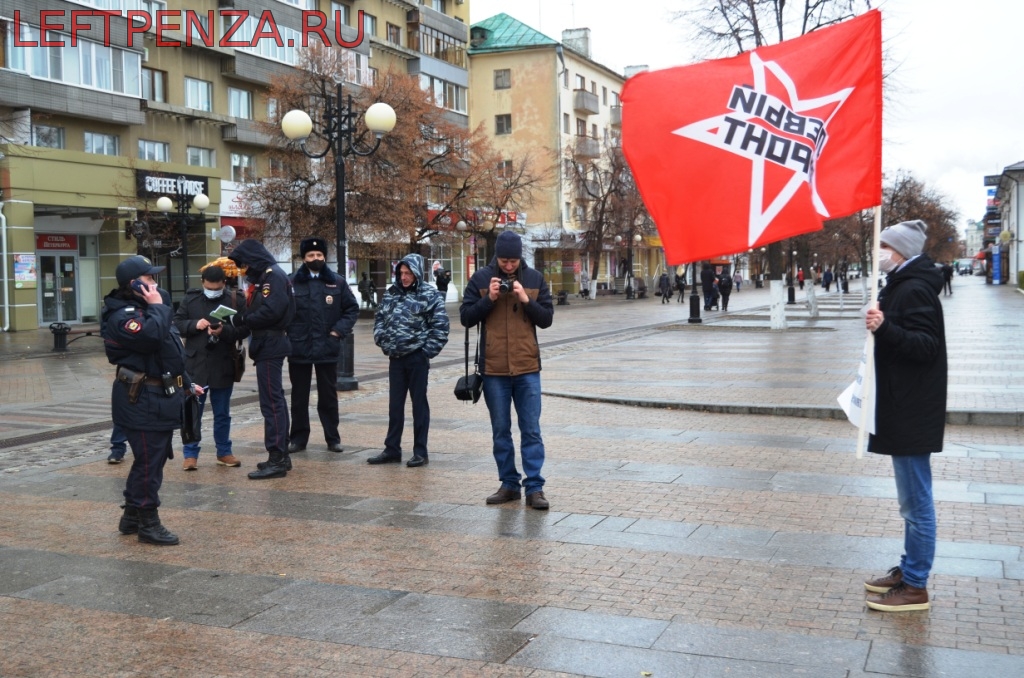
(885, 582)
(537, 501)
(503, 495)
(228, 460)
(189, 464)
(900, 598)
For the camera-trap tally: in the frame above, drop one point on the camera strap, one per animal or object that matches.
(476, 353)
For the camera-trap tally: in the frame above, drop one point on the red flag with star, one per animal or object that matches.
(737, 153)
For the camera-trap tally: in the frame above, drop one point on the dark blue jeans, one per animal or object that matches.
(914, 491)
(220, 400)
(408, 375)
(118, 442)
(499, 394)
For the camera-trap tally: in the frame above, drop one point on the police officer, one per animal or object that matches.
(147, 394)
(269, 308)
(325, 312)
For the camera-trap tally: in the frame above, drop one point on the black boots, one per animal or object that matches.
(151, 531)
(277, 466)
(129, 520)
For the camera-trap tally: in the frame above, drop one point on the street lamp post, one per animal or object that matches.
(792, 291)
(338, 128)
(694, 296)
(183, 220)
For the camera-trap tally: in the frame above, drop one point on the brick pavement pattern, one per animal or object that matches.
(680, 542)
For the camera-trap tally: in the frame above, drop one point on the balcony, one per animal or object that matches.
(585, 102)
(246, 132)
(587, 148)
(616, 115)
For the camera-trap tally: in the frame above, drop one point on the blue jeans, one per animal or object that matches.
(524, 391)
(118, 442)
(914, 491)
(220, 400)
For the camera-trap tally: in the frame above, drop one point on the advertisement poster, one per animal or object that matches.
(24, 271)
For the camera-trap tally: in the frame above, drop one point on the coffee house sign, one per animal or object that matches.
(157, 184)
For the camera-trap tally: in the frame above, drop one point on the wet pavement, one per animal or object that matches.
(681, 541)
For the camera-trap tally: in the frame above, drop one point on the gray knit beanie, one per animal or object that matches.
(906, 237)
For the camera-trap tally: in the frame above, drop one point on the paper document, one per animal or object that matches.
(222, 312)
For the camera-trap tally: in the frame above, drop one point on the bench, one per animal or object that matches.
(60, 335)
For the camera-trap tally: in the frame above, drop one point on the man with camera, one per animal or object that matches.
(325, 312)
(511, 301)
(210, 359)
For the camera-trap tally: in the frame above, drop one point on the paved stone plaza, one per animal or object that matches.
(681, 542)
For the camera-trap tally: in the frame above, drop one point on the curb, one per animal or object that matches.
(953, 417)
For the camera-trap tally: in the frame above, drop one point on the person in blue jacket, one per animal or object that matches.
(325, 313)
(410, 327)
(148, 390)
(269, 308)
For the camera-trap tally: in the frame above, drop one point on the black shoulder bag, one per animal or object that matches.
(470, 386)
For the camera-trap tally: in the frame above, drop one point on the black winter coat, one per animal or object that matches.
(910, 363)
(269, 304)
(322, 304)
(210, 365)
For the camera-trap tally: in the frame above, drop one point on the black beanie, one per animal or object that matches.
(508, 246)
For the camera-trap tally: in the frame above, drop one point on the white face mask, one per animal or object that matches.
(213, 294)
(885, 262)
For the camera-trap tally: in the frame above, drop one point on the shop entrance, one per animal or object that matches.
(58, 288)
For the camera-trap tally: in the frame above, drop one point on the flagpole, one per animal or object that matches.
(869, 368)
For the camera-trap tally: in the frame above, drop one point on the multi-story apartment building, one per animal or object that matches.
(536, 95)
(103, 112)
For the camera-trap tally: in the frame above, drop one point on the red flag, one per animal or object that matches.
(735, 153)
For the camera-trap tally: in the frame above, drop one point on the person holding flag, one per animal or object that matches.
(910, 406)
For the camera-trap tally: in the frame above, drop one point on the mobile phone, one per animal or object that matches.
(139, 286)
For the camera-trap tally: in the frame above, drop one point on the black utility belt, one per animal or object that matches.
(268, 333)
(129, 376)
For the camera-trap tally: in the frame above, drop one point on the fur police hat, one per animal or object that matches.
(132, 267)
(312, 245)
(906, 237)
(508, 246)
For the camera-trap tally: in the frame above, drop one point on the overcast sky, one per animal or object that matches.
(957, 110)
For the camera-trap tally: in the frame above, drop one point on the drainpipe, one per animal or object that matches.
(7, 289)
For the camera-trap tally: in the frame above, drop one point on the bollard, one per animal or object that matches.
(60, 336)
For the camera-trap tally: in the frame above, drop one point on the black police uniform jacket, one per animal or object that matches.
(322, 304)
(142, 338)
(270, 305)
(910, 363)
(208, 364)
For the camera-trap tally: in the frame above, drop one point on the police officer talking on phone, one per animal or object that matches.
(148, 391)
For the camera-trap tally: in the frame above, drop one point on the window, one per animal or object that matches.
(304, 4)
(272, 109)
(285, 51)
(581, 127)
(565, 123)
(369, 24)
(593, 131)
(198, 25)
(199, 157)
(437, 5)
(154, 150)
(276, 167)
(565, 79)
(438, 44)
(341, 13)
(243, 168)
(505, 169)
(593, 87)
(615, 98)
(503, 78)
(240, 103)
(446, 95)
(394, 34)
(503, 124)
(154, 85)
(568, 213)
(47, 136)
(581, 82)
(101, 144)
(198, 94)
(604, 96)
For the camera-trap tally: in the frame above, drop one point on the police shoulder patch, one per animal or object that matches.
(266, 290)
(133, 326)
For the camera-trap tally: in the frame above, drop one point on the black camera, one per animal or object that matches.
(505, 285)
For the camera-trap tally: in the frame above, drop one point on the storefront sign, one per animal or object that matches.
(50, 242)
(156, 184)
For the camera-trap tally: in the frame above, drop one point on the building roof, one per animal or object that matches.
(1015, 168)
(501, 32)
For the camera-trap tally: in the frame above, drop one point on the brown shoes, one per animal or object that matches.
(885, 582)
(900, 598)
(503, 495)
(537, 501)
(189, 464)
(229, 460)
